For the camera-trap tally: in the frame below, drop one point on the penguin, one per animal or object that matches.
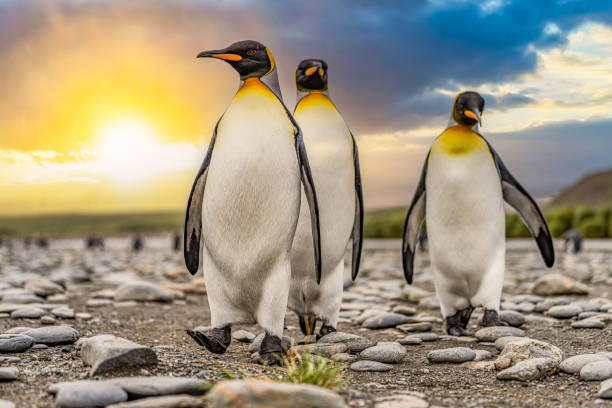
(334, 161)
(462, 189)
(244, 206)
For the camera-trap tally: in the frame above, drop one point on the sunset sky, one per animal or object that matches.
(104, 107)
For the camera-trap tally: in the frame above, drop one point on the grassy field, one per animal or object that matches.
(389, 223)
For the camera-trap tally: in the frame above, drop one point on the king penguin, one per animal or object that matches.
(462, 188)
(245, 203)
(335, 169)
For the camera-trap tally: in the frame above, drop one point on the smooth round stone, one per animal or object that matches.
(63, 312)
(385, 320)
(343, 357)
(586, 306)
(52, 335)
(17, 330)
(482, 355)
(47, 320)
(546, 304)
(39, 347)
(495, 332)
(15, 343)
(405, 310)
(6, 404)
(513, 318)
(588, 324)
(9, 373)
(243, 336)
(28, 313)
(365, 366)
(502, 341)
(525, 307)
(451, 355)
(83, 316)
(427, 336)
(586, 315)
(597, 371)
(564, 311)
(401, 401)
(385, 352)
(430, 302)
(605, 389)
(415, 327)
(410, 341)
(574, 364)
(465, 339)
(90, 394)
(98, 302)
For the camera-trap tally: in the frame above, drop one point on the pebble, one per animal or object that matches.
(530, 369)
(525, 307)
(524, 349)
(141, 387)
(90, 394)
(415, 327)
(167, 401)
(588, 324)
(106, 353)
(366, 365)
(243, 336)
(557, 284)
(605, 389)
(63, 312)
(343, 357)
(514, 319)
(495, 332)
(322, 349)
(482, 355)
(354, 342)
(6, 404)
(574, 364)
(27, 313)
(9, 373)
(405, 310)
(43, 287)
(426, 336)
(410, 341)
(414, 294)
(548, 303)
(430, 303)
(564, 311)
(385, 320)
(142, 292)
(597, 370)
(451, 355)
(52, 335)
(83, 316)
(98, 302)
(47, 320)
(385, 352)
(15, 343)
(401, 401)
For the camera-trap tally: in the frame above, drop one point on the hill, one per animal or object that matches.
(593, 190)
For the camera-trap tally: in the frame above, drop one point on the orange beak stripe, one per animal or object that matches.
(228, 57)
(311, 71)
(321, 72)
(470, 114)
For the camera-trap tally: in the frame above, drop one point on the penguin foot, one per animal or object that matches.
(464, 316)
(454, 325)
(270, 351)
(308, 323)
(216, 342)
(325, 330)
(491, 318)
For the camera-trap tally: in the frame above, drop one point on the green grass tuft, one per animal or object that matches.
(308, 369)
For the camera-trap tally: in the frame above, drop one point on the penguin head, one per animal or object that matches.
(250, 58)
(468, 108)
(311, 75)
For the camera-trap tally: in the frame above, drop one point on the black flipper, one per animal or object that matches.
(358, 222)
(521, 201)
(412, 225)
(193, 216)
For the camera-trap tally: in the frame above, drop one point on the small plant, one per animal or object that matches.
(308, 369)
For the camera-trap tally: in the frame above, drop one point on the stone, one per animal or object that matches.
(415, 294)
(597, 370)
(385, 352)
(385, 320)
(557, 284)
(401, 401)
(98, 302)
(531, 369)
(322, 349)
(451, 355)
(9, 373)
(426, 336)
(63, 312)
(574, 364)
(243, 336)
(142, 292)
(83, 316)
(564, 311)
(525, 307)
(23, 299)
(524, 349)
(403, 309)
(47, 320)
(415, 327)
(430, 303)
(307, 339)
(588, 324)
(167, 401)
(410, 341)
(344, 357)
(106, 353)
(264, 394)
(6, 404)
(548, 303)
(514, 319)
(586, 305)
(605, 389)
(354, 342)
(52, 335)
(495, 332)
(43, 287)
(15, 343)
(543, 321)
(141, 387)
(28, 313)
(89, 394)
(369, 366)
(482, 355)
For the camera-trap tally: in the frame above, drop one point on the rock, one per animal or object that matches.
(89, 394)
(525, 307)
(511, 317)
(588, 324)
(530, 369)
(415, 294)
(53, 335)
(142, 292)
(605, 389)
(564, 311)
(451, 355)
(366, 365)
(495, 332)
(63, 312)
(106, 352)
(415, 327)
(323, 350)
(355, 343)
(286, 343)
(307, 339)
(98, 302)
(15, 343)
(426, 336)
(548, 303)
(47, 320)
(6, 404)
(168, 401)
(343, 357)
(524, 349)
(385, 352)
(574, 364)
(43, 287)
(597, 370)
(23, 299)
(482, 355)
(243, 336)
(385, 320)
(557, 284)
(543, 321)
(140, 387)
(430, 303)
(401, 401)
(28, 313)
(369, 313)
(83, 316)
(410, 341)
(405, 310)
(586, 305)
(9, 373)
(264, 394)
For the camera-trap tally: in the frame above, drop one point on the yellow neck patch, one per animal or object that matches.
(459, 140)
(314, 98)
(254, 86)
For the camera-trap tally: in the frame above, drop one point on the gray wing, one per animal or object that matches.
(412, 225)
(193, 216)
(521, 201)
(358, 222)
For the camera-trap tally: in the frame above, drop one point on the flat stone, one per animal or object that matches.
(588, 324)
(543, 321)
(324, 350)
(525, 307)
(414, 294)
(495, 332)
(586, 305)
(384, 321)
(83, 316)
(6, 404)
(426, 336)
(106, 353)
(344, 357)
(23, 299)
(9, 360)
(403, 309)
(605, 389)
(574, 364)
(385, 352)
(401, 401)
(9, 373)
(415, 327)
(482, 355)
(530, 369)
(28, 313)
(369, 366)
(264, 394)
(43, 287)
(354, 342)
(557, 284)
(564, 311)
(597, 370)
(47, 320)
(15, 343)
(167, 401)
(451, 355)
(63, 312)
(524, 349)
(243, 336)
(98, 302)
(514, 319)
(410, 341)
(548, 303)
(430, 303)
(142, 292)
(52, 335)
(89, 394)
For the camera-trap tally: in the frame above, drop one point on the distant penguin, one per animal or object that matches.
(334, 160)
(572, 241)
(176, 242)
(137, 243)
(462, 189)
(245, 203)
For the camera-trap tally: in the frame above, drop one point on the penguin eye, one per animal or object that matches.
(251, 52)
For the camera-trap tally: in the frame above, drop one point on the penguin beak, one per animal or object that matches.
(321, 72)
(220, 54)
(310, 71)
(473, 114)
